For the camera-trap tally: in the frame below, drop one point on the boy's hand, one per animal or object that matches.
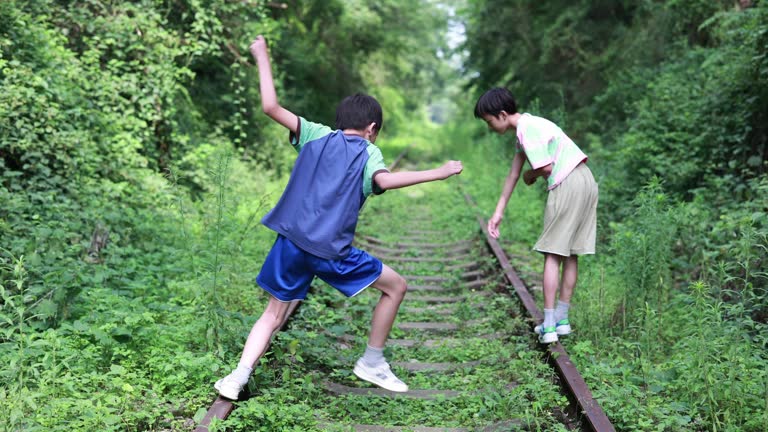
(258, 46)
(493, 225)
(451, 168)
(529, 177)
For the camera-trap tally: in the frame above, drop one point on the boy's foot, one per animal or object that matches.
(228, 387)
(547, 335)
(563, 327)
(380, 375)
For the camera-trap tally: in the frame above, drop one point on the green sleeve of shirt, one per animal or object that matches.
(536, 140)
(374, 165)
(307, 131)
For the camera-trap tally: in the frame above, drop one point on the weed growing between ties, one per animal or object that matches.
(329, 333)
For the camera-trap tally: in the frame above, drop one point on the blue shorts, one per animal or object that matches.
(288, 271)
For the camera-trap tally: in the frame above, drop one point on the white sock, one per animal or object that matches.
(242, 374)
(549, 318)
(373, 356)
(561, 311)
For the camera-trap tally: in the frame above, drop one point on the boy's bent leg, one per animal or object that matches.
(372, 367)
(393, 288)
(271, 320)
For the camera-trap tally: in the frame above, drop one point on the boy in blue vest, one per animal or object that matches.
(315, 221)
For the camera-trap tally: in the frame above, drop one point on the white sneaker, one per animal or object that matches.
(563, 327)
(547, 335)
(228, 388)
(380, 375)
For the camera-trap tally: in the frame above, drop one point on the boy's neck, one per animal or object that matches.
(513, 119)
(360, 133)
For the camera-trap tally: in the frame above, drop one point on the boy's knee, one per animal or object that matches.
(400, 287)
(272, 320)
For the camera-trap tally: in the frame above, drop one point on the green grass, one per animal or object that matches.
(168, 309)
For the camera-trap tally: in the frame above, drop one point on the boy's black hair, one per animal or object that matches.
(358, 111)
(495, 101)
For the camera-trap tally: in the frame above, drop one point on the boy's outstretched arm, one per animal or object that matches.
(269, 103)
(506, 192)
(388, 180)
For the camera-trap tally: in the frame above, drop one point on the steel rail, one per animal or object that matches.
(591, 411)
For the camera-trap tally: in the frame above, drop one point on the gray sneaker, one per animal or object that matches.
(380, 375)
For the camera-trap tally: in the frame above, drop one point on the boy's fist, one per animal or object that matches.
(529, 177)
(258, 46)
(451, 168)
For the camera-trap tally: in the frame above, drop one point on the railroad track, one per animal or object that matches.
(462, 339)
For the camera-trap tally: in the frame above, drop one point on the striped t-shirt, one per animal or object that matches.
(544, 143)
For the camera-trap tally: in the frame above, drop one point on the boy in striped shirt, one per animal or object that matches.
(570, 217)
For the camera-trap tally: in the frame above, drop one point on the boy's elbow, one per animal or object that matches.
(383, 181)
(382, 185)
(269, 108)
(269, 104)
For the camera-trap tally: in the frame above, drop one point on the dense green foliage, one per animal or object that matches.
(675, 89)
(98, 98)
(669, 99)
(132, 118)
(142, 119)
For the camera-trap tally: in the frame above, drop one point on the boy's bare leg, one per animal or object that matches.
(372, 366)
(551, 279)
(273, 317)
(568, 281)
(393, 288)
(567, 285)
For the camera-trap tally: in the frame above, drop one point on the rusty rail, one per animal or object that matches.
(591, 411)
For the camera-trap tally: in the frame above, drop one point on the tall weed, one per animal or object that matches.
(727, 229)
(724, 380)
(641, 252)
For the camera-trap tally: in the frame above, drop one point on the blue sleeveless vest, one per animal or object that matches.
(319, 207)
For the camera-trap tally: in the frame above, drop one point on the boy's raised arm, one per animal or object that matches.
(388, 180)
(269, 103)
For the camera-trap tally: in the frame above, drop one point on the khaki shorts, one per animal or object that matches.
(570, 219)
